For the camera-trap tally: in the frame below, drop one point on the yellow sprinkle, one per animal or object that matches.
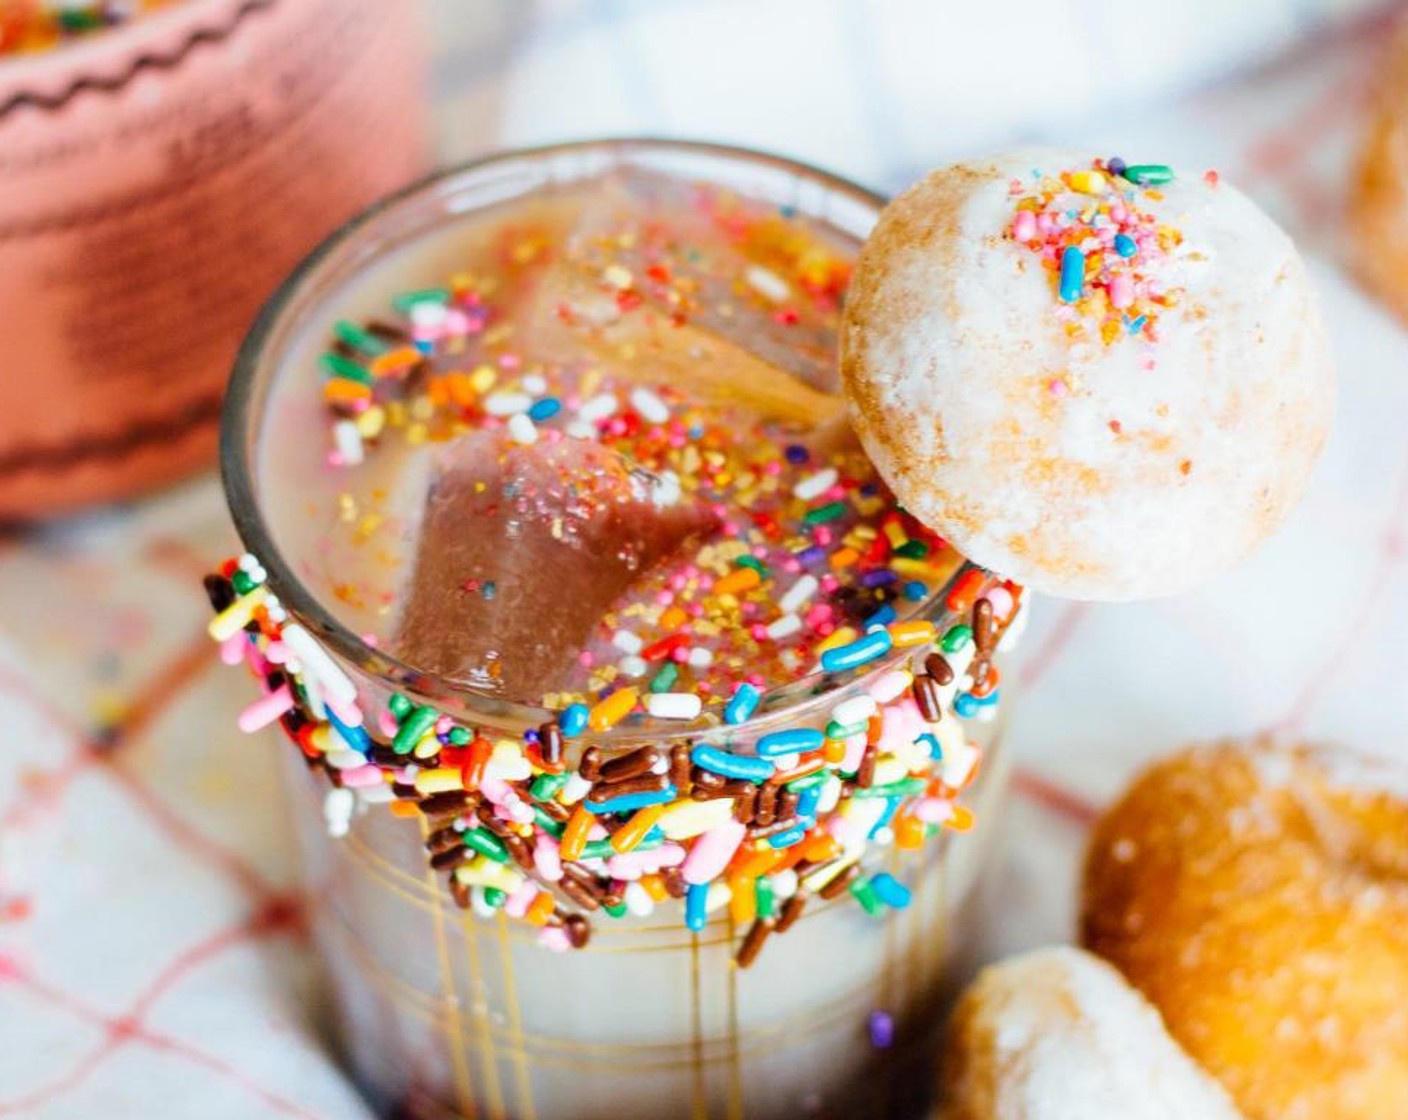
(913, 633)
(689, 818)
(441, 779)
(482, 379)
(839, 637)
(233, 618)
(895, 534)
(485, 872)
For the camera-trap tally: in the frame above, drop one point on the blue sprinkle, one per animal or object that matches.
(795, 740)
(936, 752)
(792, 836)
(1124, 245)
(356, 738)
(882, 1030)
(965, 704)
(742, 704)
(489, 590)
(694, 900)
(628, 802)
(807, 801)
(914, 591)
(882, 617)
(797, 454)
(875, 644)
(545, 408)
(1072, 274)
(1137, 325)
(890, 891)
(891, 804)
(730, 765)
(573, 720)
(424, 345)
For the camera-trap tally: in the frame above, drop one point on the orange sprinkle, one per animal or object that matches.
(962, 819)
(758, 863)
(843, 558)
(833, 750)
(820, 847)
(655, 887)
(574, 836)
(393, 361)
(472, 773)
(673, 618)
(737, 581)
(909, 831)
(611, 711)
(633, 831)
(540, 909)
(743, 900)
(339, 390)
(404, 809)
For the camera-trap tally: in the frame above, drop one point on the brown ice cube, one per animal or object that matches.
(523, 550)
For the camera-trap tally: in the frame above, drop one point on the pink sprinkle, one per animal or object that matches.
(555, 939)
(1056, 387)
(679, 655)
(362, 777)
(822, 535)
(547, 858)
(1121, 292)
(232, 648)
(386, 723)
(1001, 600)
(585, 659)
(830, 584)
(664, 598)
(1024, 227)
(509, 361)
(756, 680)
(758, 632)
(516, 904)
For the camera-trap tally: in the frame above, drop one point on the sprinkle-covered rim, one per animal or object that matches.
(257, 366)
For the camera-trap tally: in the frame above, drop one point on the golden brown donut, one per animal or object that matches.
(1059, 1035)
(1378, 203)
(1258, 895)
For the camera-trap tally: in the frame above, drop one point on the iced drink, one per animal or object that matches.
(640, 712)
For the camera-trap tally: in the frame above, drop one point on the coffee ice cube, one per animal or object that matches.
(522, 552)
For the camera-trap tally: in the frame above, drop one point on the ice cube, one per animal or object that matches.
(523, 550)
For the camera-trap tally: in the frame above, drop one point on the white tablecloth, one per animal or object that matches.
(151, 957)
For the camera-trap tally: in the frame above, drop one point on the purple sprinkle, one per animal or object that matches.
(814, 554)
(882, 1030)
(878, 577)
(797, 454)
(1115, 166)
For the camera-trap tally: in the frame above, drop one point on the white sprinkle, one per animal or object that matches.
(854, 710)
(830, 795)
(317, 662)
(337, 810)
(650, 407)
(599, 407)
(784, 883)
(638, 900)
(345, 760)
(480, 904)
(506, 403)
(427, 315)
(580, 429)
(786, 762)
(700, 658)
(348, 440)
(798, 594)
(815, 485)
(521, 429)
(375, 795)
(673, 705)
(627, 642)
(767, 283)
(535, 383)
(633, 666)
(783, 627)
(889, 686)
(574, 789)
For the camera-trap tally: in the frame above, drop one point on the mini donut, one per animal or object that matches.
(1100, 387)
(1059, 1035)
(1258, 896)
(1378, 202)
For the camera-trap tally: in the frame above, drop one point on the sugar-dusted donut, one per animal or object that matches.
(1059, 1035)
(1106, 382)
(1378, 197)
(1258, 895)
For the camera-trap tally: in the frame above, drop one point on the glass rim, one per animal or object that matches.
(242, 414)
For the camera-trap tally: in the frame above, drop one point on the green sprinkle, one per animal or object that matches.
(407, 300)
(486, 844)
(956, 638)
(1149, 174)
(913, 550)
(346, 368)
(460, 736)
(665, 679)
(865, 895)
(547, 786)
(241, 582)
(602, 849)
(617, 911)
(495, 897)
(800, 784)
(905, 787)
(399, 706)
(766, 900)
(546, 823)
(413, 729)
(822, 514)
(836, 730)
(359, 338)
(746, 561)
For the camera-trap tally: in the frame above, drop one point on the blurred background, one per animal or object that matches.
(156, 180)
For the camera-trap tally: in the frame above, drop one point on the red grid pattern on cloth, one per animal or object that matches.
(112, 688)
